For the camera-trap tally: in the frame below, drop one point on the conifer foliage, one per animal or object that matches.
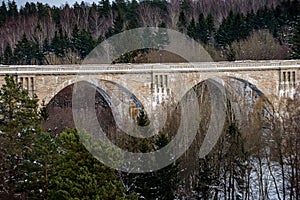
(38, 165)
(19, 121)
(40, 34)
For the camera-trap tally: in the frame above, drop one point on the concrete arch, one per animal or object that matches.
(73, 81)
(255, 83)
(47, 98)
(260, 90)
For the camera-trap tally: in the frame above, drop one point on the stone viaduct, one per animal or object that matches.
(156, 81)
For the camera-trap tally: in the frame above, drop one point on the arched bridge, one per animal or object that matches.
(156, 82)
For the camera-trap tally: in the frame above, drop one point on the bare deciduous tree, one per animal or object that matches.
(173, 11)
(260, 45)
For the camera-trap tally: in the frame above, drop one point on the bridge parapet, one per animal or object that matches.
(149, 67)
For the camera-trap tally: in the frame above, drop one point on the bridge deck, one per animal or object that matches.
(150, 67)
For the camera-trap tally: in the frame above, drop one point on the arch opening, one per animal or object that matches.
(60, 114)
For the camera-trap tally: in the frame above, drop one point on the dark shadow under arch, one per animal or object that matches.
(60, 114)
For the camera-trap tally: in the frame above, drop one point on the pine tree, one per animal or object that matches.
(142, 118)
(59, 43)
(42, 10)
(81, 42)
(19, 112)
(131, 15)
(191, 29)
(81, 176)
(7, 56)
(205, 178)
(86, 43)
(105, 7)
(55, 13)
(3, 13)
(230, 54)
(210, 24)
(39, 168)
(160, 184)
(12, 9)
(19, 121)
(27, 52)
(168, 176)
(182, 22)
(296, 42)
(226, 34)
(118, 24)
(202, 32)
(185, 6)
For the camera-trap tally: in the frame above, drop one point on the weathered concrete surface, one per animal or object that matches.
(152, 83)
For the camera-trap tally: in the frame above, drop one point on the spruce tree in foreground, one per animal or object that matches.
(37, 165)
(19, 121)
(296, 42)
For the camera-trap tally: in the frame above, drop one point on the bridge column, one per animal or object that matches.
(160, 88)
(288, 83)
(27, 82)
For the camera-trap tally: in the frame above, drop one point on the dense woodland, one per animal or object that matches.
(39, 34)
(256, 157)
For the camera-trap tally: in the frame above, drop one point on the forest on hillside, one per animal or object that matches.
(255, 157)
(229, 30)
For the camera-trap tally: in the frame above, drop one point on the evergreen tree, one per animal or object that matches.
(42, 10)
(21, 51)
(19, 112)
(182, 22)
(26, 51)
(230, 54)
(55, 13)
(185, 6)
(12, 9)
(191, 29)
(7, 56)
(238, 28)
(296, 42)
(59, 43)
(3, 13)
(105, 7)
(40, 167)
(160, 184)
(118, 24)
(260, 19)
(250, 21)
(131, 15)
(81, 176)
(29, 9)
(168, 176)
(19, 121)
(202, 32)
(82, 42)
(225, 34)
(142, 118)
(205, 178)
(46, 49)
(210, 24)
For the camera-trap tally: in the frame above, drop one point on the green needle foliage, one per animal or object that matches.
(81, 176)
(37, 165)
(296, 42)
(19, 122)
